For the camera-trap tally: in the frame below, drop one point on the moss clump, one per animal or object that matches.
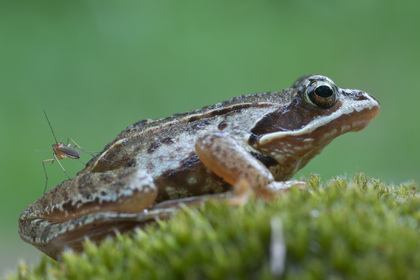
(358, 228)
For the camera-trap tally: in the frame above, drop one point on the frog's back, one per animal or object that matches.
(148, 142)
(243, 102)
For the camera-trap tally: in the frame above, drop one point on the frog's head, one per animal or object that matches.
(318, 112)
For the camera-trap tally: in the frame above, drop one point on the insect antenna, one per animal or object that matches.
(50, 126)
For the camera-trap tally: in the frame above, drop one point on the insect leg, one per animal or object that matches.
(61, 166)
(45, 171)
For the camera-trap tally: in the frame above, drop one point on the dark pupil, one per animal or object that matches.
(323, 91)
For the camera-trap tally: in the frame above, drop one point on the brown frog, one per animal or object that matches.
(153, 166)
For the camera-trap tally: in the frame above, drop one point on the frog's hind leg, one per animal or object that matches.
(226, 158)
(92, 205)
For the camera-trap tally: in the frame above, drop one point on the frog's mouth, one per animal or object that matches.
(325, 128)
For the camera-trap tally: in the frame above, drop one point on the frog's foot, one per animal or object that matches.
(283, 186)
(279, 188)
(242, 190)
(226, 158)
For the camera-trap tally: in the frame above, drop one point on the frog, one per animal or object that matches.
(251, 143)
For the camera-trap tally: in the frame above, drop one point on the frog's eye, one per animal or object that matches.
(321, 94)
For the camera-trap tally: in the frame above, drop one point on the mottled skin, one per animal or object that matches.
(154, 165)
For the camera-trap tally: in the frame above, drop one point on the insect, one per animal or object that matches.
(61, 151)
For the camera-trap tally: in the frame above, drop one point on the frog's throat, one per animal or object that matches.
(353, 116)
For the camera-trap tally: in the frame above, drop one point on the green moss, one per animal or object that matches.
(358, 228)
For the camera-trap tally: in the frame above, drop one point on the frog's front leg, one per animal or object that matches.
(226, 158)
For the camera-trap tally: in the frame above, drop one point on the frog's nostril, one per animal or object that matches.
(358, 95)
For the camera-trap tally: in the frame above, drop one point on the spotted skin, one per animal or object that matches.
(252, 142)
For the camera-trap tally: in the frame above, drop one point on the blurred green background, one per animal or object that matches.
(99, 66)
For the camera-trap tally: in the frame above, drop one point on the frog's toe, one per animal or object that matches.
(278, 188)
(281, 187)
